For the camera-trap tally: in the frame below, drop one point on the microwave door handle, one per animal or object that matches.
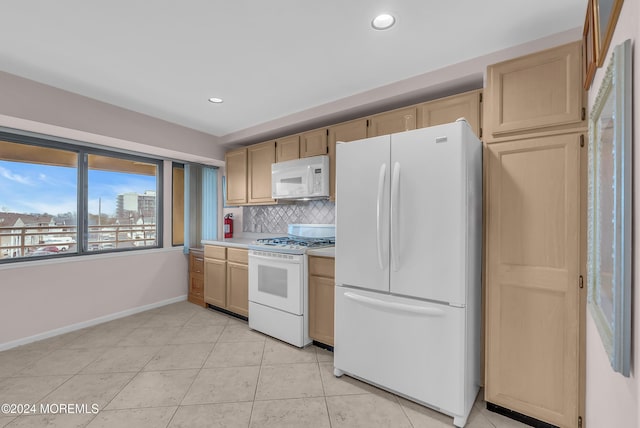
(381, 176)
(309, 180)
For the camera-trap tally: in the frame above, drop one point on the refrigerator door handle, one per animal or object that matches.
(395, 230)
(394, 306)
(381, 176)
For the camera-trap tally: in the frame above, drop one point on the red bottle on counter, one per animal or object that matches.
(228, 226)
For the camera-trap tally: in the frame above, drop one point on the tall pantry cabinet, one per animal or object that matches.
(535, 199)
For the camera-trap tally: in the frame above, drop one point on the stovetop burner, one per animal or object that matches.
(297, 241)
(300, 238)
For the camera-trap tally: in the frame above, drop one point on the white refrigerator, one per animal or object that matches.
(408, 257)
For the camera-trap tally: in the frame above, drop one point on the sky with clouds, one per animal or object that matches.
(31, 188)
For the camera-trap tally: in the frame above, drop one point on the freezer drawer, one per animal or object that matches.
(412, 347)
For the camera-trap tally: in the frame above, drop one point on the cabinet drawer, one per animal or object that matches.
(215, 252)
(237, 255)
(196, 264)
(322, 266)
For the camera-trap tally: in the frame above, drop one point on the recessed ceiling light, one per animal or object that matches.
(215, 100)
(383, 21)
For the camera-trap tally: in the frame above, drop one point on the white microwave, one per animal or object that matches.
(306, 178)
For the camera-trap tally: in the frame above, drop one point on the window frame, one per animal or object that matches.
(82, 190)
(176, 165)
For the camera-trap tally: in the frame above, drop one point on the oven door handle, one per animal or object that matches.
(275, 259)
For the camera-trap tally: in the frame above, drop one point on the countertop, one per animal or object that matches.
(241, 240)
(323, 252)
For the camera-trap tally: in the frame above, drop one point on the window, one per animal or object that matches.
(177, 229)
(38, 200)
(121, 203)
(59, 199)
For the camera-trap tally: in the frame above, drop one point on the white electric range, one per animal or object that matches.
(278, 288)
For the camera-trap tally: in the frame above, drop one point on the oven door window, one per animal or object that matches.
(272, 280)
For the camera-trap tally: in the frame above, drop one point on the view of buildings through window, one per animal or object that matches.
(40, 198)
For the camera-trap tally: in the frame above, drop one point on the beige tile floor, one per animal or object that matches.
(185, 366)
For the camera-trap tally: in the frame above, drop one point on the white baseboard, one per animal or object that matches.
(89, 323)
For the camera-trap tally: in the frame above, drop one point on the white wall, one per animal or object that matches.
(611, 399)
(42, 298)
(39, 299)
(32, 106)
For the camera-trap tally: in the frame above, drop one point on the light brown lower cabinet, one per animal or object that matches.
(196, 276)
(237, 288)
(533, 297)
(226, 279)
(321, 298)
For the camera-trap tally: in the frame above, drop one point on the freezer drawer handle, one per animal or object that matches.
(398, 307)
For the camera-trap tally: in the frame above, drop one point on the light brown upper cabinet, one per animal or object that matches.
(288, 148)
(541, 90)
(400, 120)
(446, 110)
(236, 170)
(313, 143)
(260, 158)
(348, 131)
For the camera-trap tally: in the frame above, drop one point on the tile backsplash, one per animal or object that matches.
(276, 218)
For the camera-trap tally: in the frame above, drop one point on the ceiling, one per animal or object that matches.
(268, 60)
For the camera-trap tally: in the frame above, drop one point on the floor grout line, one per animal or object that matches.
(176, 319)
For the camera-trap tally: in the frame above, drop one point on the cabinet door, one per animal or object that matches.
(348, 131)
(533, 267)
(215, 280)
(261, 156)
(449, 109)
(321, 298)
(313, 143)
(238, 288)
(392, 122)
(196, 289)
(236, 170)
(543, 89)
(288, 148)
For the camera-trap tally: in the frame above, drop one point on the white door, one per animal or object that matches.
(275, 280)
(428, 220)
(362, 213)
(413, 347)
